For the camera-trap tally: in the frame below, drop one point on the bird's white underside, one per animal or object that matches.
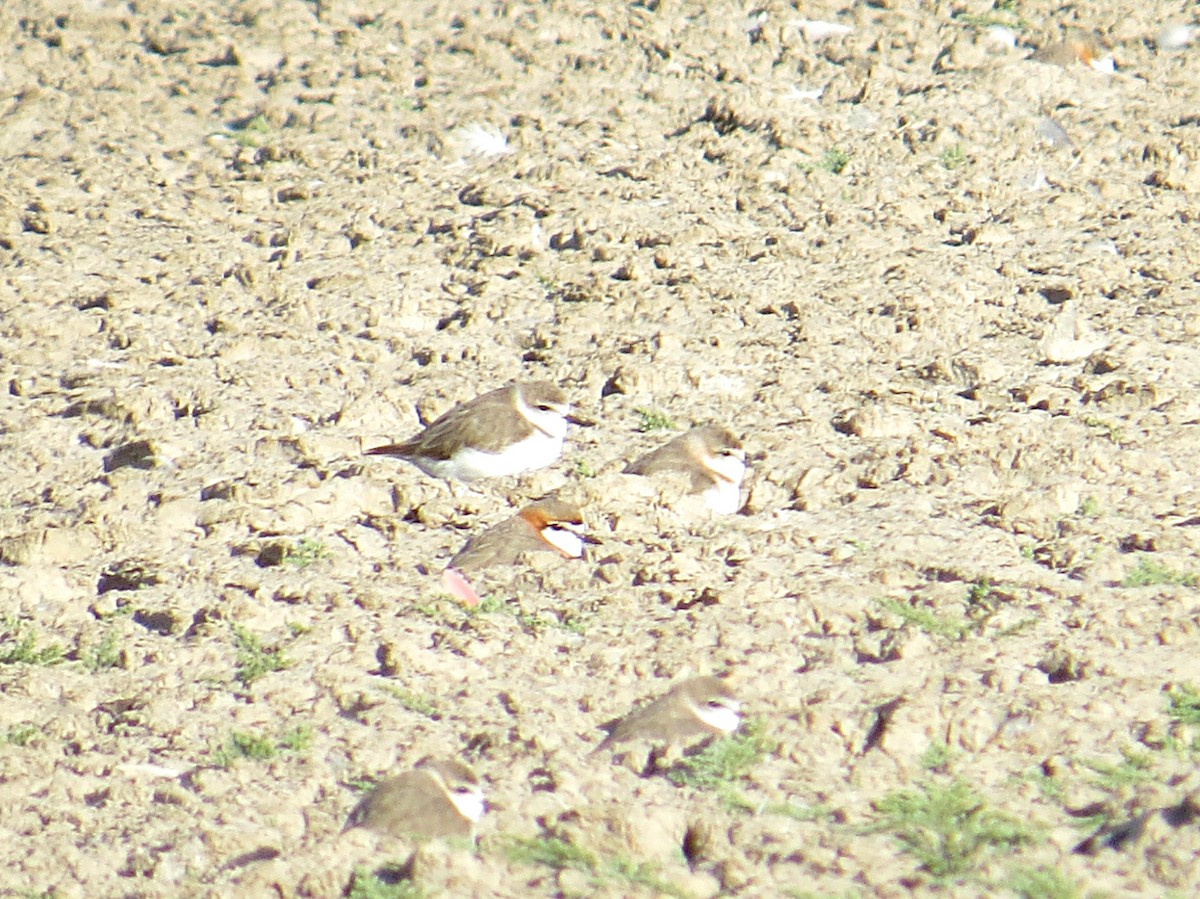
(564, 538)
(539, 449)
(470, 804)
(535, 451)
(725, 495)
(724, 498)
(724, 718)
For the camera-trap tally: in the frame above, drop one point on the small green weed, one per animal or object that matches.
(644, 874)
(382, 884)
(260, 748)
(1018, 626)
(559, 854)
(654, 421)
(982, 596)
(305, 552)
(253, 661)
(564, 620)
(834, 161)
(488, 605)
(20, 734)
(1134, 768)
(1004, 13)
(452, 612)
(1050, 787)
(952, 157)
(243, 745)
(298, 739)
(254, 133)
(534, 624)
(1042, 883)
(103, 655)
(946, 827)
(1152, 573)
(19, 645)
(1111, 430)
(1089, 507)
(552, 852)
(584, 468)
(724, 762)
(413, 702)
(949, 627)
(1184, 703)
(937, 757)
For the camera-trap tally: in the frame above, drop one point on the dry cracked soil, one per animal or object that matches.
(945, 292)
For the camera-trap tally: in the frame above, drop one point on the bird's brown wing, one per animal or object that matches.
(409, 804)
(501, 544)
(389, 801)
(656, 721)
(470, 423)
(665, 458)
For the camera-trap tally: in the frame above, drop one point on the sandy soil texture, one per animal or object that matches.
(945, 293)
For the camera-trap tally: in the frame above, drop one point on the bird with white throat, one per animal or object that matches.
(504, 432)
(699, 706)
(437, 798)
(711, 456)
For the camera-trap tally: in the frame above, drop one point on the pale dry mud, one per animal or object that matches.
(241, 242)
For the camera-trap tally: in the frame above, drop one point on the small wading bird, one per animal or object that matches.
(438, 798)
(698, 707)
(508, 431)
(549, 525)
(714, 459)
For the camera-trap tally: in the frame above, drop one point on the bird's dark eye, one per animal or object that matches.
(544, 407)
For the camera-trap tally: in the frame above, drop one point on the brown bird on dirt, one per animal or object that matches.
(700, 706)
(504, 432)
(711, 455)
(438, 798)
(549, 525)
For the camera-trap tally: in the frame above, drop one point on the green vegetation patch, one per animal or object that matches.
(560, 854)
(947, 827)
(253, 659)
(388, 882)
(1152, 573)
(260, 748)
(653, 420)
(724, 762)
(19, 645)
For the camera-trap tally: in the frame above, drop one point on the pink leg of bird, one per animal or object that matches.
(460, 588)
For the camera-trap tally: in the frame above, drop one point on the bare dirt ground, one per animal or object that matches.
(945, 293)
